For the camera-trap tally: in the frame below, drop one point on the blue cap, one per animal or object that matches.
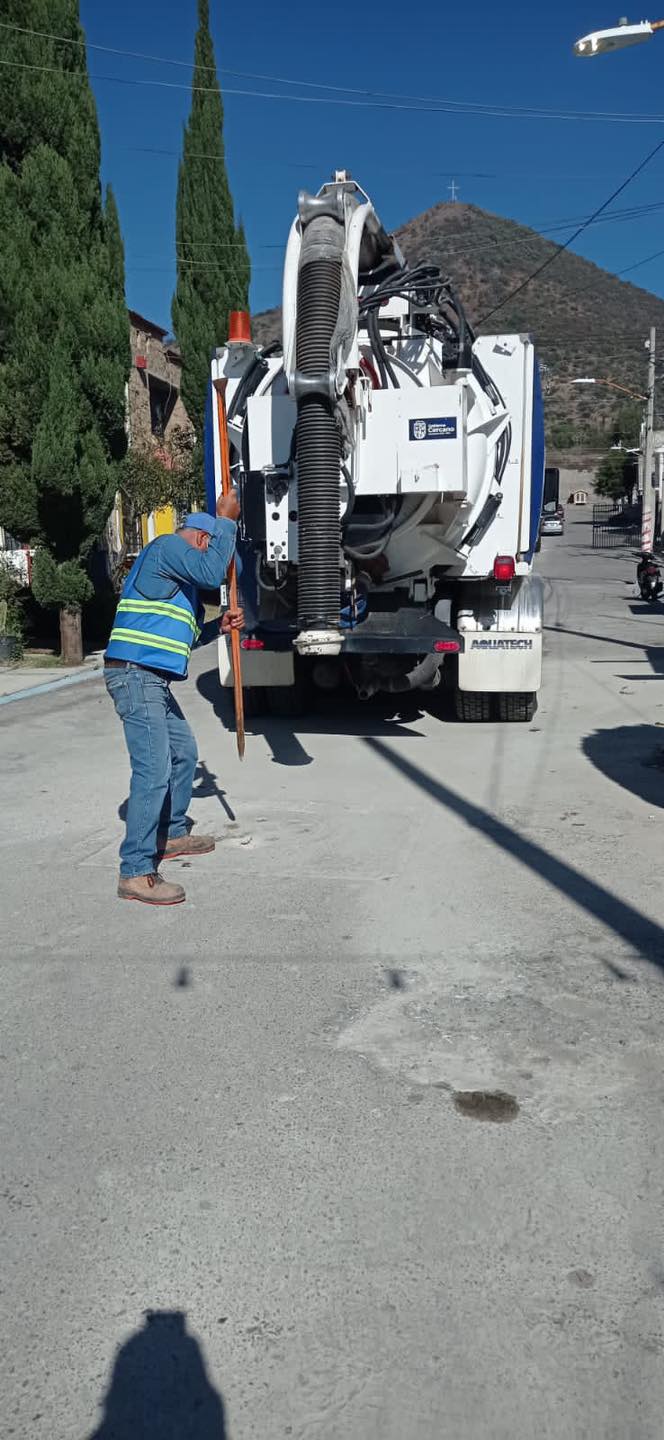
(198, 520)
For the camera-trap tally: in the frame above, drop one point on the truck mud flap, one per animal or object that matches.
(502, 649)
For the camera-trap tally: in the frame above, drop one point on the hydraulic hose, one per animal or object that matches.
(318, 438)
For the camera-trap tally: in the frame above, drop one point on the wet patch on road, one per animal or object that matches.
(494, 1106)
(507, 1035)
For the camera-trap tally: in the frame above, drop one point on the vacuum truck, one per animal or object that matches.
(390, 466)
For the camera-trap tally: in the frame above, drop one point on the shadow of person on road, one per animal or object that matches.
(337, 713)
(633, 757)
(206, 785)
(159, 1388)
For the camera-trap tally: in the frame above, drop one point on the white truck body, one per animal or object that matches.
(431, 440)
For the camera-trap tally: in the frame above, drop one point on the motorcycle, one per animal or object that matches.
(649, 577)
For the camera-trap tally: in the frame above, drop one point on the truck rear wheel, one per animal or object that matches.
(517, 708)
(286, 700)
(472, 705)
(254, 701)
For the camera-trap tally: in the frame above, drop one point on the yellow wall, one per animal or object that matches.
(164, 521)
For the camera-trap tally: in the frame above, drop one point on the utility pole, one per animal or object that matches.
(647, 515)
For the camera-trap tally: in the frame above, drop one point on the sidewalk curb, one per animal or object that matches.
(51, 685)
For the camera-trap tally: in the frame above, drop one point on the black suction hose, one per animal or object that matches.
(318, 445)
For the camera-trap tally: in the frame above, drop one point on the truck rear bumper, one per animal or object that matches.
(401, 632)
(270, 660)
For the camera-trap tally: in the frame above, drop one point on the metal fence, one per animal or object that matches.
(616, 525)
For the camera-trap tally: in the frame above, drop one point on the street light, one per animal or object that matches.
(647, 448)
(600, 42)
(612, 384)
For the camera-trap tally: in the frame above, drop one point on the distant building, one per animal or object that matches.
(656, 478)
(155, 413)
(17, 557)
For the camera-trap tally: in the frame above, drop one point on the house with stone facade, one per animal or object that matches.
(156, 421)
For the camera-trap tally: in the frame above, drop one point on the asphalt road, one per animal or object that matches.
(245, 1193)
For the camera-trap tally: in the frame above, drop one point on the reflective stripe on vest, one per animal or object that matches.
(152, 640)
(160, 607)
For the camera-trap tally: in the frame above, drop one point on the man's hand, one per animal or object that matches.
(228, 506)
(232, 620)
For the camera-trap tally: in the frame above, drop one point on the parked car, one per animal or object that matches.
(552, 524)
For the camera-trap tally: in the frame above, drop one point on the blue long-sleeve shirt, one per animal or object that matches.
(170, 558)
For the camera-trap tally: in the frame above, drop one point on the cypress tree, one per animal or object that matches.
(114, 243)
(64, 329)
(213, 269)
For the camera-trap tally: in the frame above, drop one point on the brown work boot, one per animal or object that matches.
(150, 889)
(185, 845)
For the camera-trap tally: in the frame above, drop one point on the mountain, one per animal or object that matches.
(585, 321)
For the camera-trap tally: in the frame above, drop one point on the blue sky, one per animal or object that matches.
(537, 171)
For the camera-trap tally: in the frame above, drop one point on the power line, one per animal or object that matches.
(510, 244)
(420, 102)
(620, 216)
(441, 107)
(384, 169)
(615, 274)
(646, 261)
(404, 101)
(595, 215)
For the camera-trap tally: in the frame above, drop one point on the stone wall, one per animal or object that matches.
(154, 388)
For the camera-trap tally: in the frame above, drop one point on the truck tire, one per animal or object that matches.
(255, 703)
(516, 707)
(285, 700)
(472, 705)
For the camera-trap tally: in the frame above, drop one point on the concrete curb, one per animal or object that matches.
(51, 685)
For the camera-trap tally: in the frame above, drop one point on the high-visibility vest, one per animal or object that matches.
(156, 633)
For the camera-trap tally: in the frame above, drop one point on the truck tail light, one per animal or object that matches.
(446, 647)
(504, 569)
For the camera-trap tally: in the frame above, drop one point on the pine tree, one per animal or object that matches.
(212, 258)
(64, 329)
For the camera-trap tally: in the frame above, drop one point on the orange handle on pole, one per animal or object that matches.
(236, 654)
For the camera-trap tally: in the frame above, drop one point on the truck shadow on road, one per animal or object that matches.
(633, 757)
(159, 1387)
(638, 932)
(384, 715)
(653, 654)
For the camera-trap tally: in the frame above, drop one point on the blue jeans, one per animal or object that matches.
(163, 756)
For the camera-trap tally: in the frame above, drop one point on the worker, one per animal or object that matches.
(158, 620)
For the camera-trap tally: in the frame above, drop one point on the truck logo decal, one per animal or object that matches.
(501, 644)
(442, 428)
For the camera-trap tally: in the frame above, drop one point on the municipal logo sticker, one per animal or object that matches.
(443, 427)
